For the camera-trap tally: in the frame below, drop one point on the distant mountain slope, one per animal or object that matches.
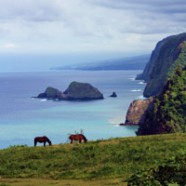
(128, 63)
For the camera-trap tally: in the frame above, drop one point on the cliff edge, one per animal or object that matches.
(165, 75)
(162, 59)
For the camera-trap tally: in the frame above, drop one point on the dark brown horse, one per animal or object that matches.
(77, 137)
(43, 140)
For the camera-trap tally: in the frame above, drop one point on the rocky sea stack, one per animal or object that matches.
(82, 91)
(113, 95)
(75, 91)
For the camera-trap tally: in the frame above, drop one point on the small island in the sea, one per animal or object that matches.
(75, 91)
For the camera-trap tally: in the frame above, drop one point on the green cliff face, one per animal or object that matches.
(168, 115)
(165, 75)
(163, 60)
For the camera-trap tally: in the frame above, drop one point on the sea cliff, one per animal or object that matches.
(165, 75)
(137, 111)
(162, 59)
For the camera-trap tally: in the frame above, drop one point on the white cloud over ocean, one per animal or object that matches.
(9, 45)
(77, 26)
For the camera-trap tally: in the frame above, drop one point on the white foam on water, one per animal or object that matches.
(141, 83)
(136, 90)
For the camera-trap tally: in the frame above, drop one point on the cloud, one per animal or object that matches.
(89, 25)
(149, 15)
(27, 10)
(9, 45)
(158, 5)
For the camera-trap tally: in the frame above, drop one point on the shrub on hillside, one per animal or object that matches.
(171, 173)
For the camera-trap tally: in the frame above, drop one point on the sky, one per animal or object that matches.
(87, 27)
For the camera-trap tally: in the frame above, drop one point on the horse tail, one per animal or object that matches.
(71, 138)
(85, 139)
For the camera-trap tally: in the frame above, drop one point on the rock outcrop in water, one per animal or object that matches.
(75, 91)
(137, 111)
(113, 95)
(82, 91)
(51, 93)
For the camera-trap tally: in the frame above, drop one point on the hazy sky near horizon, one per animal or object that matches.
(88, 26)
(65, 26)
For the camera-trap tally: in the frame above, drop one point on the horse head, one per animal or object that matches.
(49, 142)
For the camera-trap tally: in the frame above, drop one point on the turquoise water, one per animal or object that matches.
(22, 117)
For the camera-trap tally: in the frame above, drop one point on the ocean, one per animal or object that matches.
(23, 117)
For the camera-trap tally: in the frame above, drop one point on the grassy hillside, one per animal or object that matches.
(109, 162)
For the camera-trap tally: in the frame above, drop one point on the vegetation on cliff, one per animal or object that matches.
(166, 79)
(163, 60)
(168, 114)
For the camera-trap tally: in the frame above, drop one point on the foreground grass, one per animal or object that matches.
(109, 162)
(50, 182)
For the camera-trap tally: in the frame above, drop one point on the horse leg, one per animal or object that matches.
(79, 140)
(44, 144)
(71, 141)
(35, 143)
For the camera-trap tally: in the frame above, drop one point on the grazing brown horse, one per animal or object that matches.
(77, 137)
(43, 140)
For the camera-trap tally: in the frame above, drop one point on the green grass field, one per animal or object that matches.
(107, 162)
